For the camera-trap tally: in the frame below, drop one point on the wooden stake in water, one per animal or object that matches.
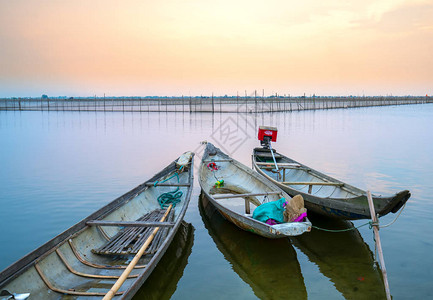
(378, 244)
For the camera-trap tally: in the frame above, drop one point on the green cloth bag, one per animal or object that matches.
(270, 210)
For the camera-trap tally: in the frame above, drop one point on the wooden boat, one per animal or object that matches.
(322, 194)
(241, 187)
(93, 257)
(269, 267)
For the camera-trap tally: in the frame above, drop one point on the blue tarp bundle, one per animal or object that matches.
(270, 210)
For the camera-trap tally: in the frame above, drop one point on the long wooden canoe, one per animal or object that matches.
(322, 194)
(242, 187)
(86, 260)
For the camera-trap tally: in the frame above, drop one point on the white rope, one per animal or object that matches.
(383, 226)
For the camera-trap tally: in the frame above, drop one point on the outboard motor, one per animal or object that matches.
(267, 135)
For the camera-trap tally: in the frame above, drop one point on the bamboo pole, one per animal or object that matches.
(111, 293)
(379, 245)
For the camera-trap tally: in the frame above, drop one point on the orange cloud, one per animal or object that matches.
(177, 47)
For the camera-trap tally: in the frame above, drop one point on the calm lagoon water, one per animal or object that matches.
(58, 167)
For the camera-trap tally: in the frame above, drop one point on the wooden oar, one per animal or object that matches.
(111, 293)
(379, 245)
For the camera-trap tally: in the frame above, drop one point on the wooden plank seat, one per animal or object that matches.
(281, 166)
(310, 184)
(217, 160)
(247, 199)
(167, 184)
(295, 165)
(267, 155)
(130, 239)
(244, 195)
(313, 183)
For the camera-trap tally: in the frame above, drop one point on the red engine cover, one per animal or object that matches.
(268, 131)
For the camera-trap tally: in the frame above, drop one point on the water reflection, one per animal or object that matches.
(342, 257)
(269, 267)
(56, 168)
(162, 283)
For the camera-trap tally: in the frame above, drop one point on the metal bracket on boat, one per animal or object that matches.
(6, 295)
(265, 199)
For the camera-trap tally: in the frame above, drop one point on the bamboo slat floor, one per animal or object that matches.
(130, 239)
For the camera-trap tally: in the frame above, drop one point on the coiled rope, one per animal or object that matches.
(173, 197)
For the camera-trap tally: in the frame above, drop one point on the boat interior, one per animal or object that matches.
(239, 188)
(301, 178)
(87, 259)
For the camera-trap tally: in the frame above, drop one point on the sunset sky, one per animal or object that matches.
(200, 47)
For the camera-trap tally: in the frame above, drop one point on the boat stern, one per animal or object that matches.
(291, 229)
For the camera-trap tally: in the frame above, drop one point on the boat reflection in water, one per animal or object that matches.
(269, 266)
(162, 283)
(342, 257)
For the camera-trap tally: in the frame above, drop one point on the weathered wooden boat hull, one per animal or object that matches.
(240, 180)
(323, 194)
(66, 265)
